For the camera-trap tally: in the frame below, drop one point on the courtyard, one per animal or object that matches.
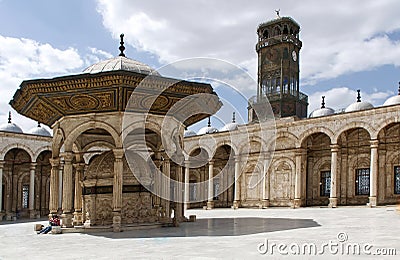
(350, 232)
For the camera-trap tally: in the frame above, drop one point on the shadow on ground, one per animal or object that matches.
(216, 227)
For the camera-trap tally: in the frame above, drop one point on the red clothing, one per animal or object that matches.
(54, 222)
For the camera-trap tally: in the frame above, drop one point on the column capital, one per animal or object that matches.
(334, 148)
(211, 162)
(55, 162)
(79, 166)
(374, 143)
(118, 153)
(187, 163)
(300, 151)
(68, 157)
(33, 166)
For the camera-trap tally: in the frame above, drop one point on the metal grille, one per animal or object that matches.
(325, 183)
(362, 181)
(25, 196)
(216, 189)
(397, 180)
(192, 191)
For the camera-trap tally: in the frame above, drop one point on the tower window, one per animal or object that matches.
(25, 196)
(277, 31)
(397, 180)
(325, 183)
(362, 181)
(285, 30)
(266, 34)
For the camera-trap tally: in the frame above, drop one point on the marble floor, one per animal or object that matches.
(345, 232)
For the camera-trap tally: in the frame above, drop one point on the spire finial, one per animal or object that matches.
(9, 117)
(358, 95)
(233, 117)
(323, 102)
(277, 11)
(122, 47)
(209, 121)
(399, 89)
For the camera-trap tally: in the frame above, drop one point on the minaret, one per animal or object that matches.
(278, 50)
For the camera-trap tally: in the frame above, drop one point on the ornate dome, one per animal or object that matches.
(39, 130)
(359, 105)
(323, 111)
(230, 126)
(10, 127)
(395, 100)
(121, 63)
(188, 133)
(208, 129)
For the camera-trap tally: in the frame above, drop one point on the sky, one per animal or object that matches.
(347, 45)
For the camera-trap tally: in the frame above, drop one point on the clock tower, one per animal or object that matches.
(278, 50)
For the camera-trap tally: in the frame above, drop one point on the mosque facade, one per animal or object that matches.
(323, 158)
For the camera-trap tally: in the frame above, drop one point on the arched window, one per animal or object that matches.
(266, 34)
(285, 30)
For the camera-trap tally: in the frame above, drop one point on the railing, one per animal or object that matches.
(278, 39)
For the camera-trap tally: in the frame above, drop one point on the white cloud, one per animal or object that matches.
(339, 98)
(338, 37)
(22, 59)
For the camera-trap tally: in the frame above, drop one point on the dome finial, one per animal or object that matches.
(277, 11)
(323, 102)
(9, 117)
(122, 47)
(399, 89)
(209, 121)
(233, 118)
(358, 95)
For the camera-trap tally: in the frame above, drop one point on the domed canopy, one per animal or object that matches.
(121, 63)
(10, 127)
(230, 126)
(359, 105)
(208, 129)
(39, 130)
(395, 100)
(323, 111)
(188, 133)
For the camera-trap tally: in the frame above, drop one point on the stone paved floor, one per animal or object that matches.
(223, 234)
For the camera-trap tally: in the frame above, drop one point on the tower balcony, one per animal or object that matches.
(264, 42)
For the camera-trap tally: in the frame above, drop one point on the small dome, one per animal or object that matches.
(395, 100)
(188, 133)
(230, 126)
(39, 130)
(322, 112)
(10, 127)
(359, 105)
(207, 130)
(121, 63)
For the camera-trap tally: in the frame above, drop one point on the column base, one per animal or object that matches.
(210, 204)
(372, 202)
(332, 202)
(66, 220)
(296, 203)
(236, 204)
(32, 214)
(117, 221)
(2, 214)
(265, 203)
(78, 218)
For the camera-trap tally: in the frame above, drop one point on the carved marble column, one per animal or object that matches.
(54, 192)
(117, 189)
(78, 218)
(166, 186)
(187, 187)
(265, 186)
(179, 208)
(298, 178)
(67, 191)
(374, 173)
(1, 189)
(32, 169)
(236, 194)
(334, 172)
(60, 184)
(210, 202)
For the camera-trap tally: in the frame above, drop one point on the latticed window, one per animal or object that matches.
(397, 180)
(362, 181)
(325, 183)
(25, 196)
